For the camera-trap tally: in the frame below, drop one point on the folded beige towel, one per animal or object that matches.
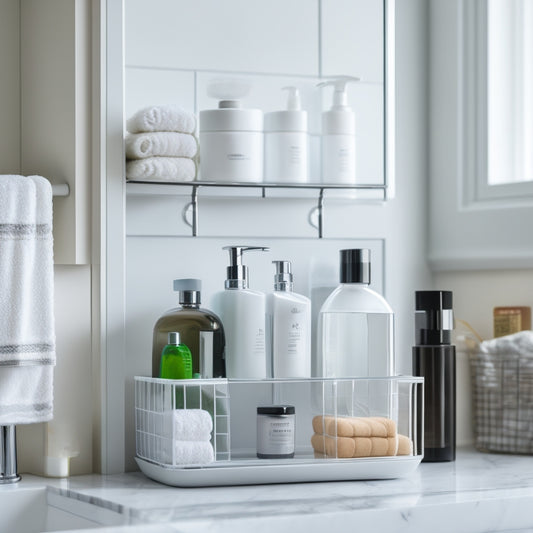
(405, 445)
(160, 143)
(347, 437)
(344, 426)
(161, 169)
(344, 447)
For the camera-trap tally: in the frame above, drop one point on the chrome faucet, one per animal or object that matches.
(8, 455)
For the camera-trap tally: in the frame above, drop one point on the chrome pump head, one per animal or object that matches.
(283, 276)
(237, 273)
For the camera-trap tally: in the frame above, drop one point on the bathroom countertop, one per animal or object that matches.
(477, 493)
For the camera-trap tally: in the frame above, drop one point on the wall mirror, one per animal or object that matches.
(174, 48)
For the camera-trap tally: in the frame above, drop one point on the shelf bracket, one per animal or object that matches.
(193, 206)
(320, 213)
(194, 203)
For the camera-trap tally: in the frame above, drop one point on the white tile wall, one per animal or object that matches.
(150, 86)
(184, 45)
(278, 36)
(352, 38)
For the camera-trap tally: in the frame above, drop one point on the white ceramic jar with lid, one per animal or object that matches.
(231, 137)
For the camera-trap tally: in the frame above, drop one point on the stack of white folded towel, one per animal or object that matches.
(161, 145)
(191, 437)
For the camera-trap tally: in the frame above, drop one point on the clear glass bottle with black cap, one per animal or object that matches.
(434, 360)
(200, 330)
(355, 325)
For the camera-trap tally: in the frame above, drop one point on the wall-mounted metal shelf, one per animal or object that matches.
(134, 187)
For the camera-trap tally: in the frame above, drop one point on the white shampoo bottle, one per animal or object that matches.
(338, 136)
(242, 312)
(290, 327)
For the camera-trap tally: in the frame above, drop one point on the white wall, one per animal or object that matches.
(476, 293)
(72, 424)
(468, 245)
(399, 225)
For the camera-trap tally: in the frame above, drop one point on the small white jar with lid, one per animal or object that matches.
(275, 432)
(231, 137)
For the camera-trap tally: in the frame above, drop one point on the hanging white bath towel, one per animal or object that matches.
(27, 335)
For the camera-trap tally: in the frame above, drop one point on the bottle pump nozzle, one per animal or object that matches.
(340, 100)
(293, 98)
(283, 276)
(237, 273)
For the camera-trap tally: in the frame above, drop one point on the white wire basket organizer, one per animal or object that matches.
(353, 428)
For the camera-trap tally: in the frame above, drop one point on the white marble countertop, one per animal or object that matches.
(476, 493)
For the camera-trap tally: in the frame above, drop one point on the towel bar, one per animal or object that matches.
(60, 189)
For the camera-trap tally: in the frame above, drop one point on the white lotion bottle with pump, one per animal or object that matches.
(290, 327)
(338, 135)
(231, 137)
(286, 142)
(243, 314)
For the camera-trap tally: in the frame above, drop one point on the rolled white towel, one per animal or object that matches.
(192, 453)
(192, 425)
(162, 118)
(160, 143)
(161, 169)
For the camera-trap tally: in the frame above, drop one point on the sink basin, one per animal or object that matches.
(44, 509)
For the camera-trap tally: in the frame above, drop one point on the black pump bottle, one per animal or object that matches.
(434, 360)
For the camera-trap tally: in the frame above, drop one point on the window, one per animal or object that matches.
(504, 57)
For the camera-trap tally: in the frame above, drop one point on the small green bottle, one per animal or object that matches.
(176, 359)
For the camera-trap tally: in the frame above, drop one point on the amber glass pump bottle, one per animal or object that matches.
(199, 329)
(434, 359)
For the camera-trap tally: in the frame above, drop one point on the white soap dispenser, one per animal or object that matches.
(243, 314)
(231, 137)
(290, 327)
(286, 142)
(338, 135)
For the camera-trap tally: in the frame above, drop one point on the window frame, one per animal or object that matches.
(471, 227)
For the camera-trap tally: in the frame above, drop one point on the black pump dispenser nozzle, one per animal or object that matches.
(434, 317)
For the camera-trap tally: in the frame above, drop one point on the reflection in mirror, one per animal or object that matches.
(175, 48)
(509, 48)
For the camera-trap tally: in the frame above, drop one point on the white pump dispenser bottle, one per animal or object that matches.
(286, 142)
(290, 319)
(338, 135)
(243, 314)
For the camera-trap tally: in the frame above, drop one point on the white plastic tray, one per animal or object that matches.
(254, 472)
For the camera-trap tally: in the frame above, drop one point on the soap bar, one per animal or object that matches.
(509, 320)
